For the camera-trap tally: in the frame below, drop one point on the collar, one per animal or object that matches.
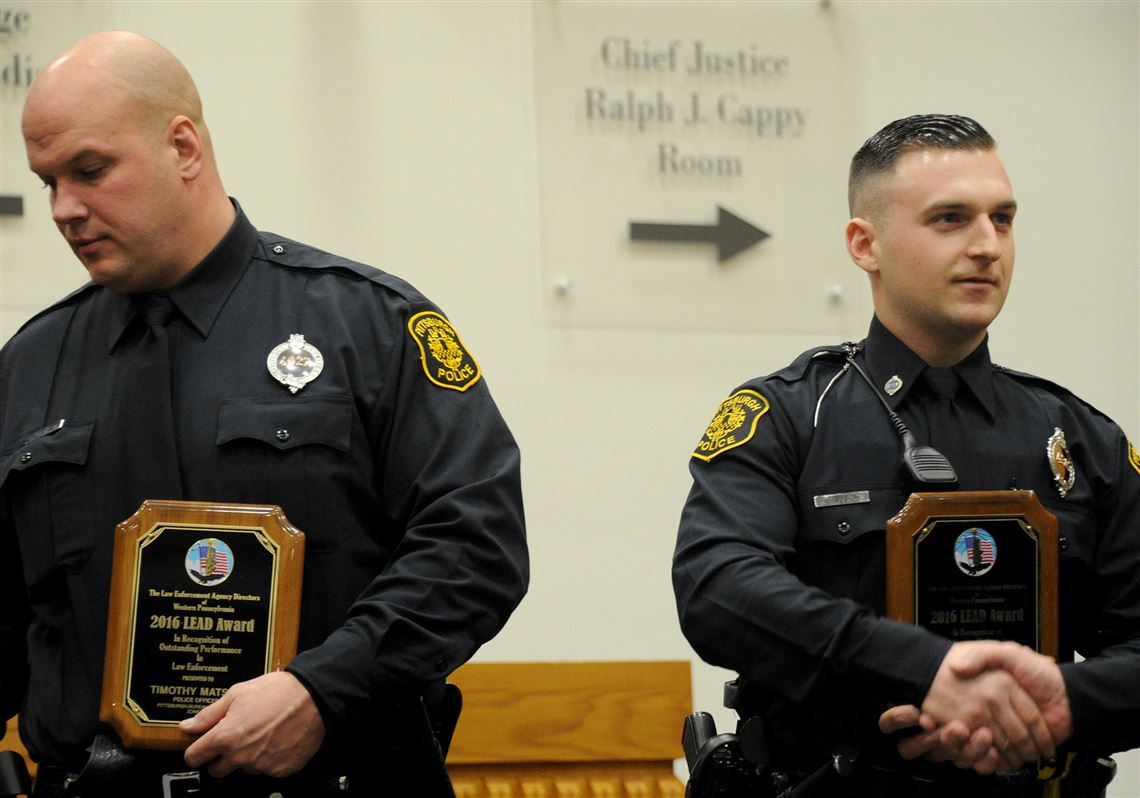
(200, 295)
(888, 357)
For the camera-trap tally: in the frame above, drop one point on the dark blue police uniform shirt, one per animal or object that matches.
(404, 479)
(777, 583)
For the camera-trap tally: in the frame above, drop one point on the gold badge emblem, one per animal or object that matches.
(1133, 456)
(295, 363)
(734, 424)
(446, 361)
(1060, 463)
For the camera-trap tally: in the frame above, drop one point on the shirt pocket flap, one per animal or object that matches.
(55, 444)
(284, 425)
(843, 516)
(1071, 544)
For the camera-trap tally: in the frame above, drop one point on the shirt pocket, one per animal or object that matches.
(841, 545)
(1083, 585)
(844, 515)
(45, 479)
(293, 454)
(1076, 534)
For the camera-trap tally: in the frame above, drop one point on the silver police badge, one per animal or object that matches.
(893, 385)
(295, 363)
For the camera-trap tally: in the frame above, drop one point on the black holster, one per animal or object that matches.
(415, 756)
(14, 778)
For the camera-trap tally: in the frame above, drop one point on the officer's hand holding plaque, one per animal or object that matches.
(976, 565)
(203, 596)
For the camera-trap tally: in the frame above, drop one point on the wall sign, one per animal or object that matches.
(31, 35)
(17, 70)
(16, 75)
(674, 138)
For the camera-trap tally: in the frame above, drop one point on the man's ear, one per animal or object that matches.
(860, 235)
(182, 134)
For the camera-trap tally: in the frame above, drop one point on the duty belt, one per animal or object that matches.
(56, 782)
(111, 772)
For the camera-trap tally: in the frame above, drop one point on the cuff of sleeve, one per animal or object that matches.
(1094, 702)
(332, 723)
(903, 657)
(1102, 707)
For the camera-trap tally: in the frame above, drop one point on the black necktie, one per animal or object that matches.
(150, 466)
(947, 427)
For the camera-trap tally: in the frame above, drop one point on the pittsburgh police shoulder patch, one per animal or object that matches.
(1133, 457)
(446, 362)
(733, 425)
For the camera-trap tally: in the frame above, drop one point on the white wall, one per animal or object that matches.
(404, 135)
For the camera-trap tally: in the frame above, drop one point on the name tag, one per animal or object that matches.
(840, 499)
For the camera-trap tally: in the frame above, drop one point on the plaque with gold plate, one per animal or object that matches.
(202, 596)
(976, 565)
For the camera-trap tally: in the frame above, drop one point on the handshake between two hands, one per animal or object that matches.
(991, 707)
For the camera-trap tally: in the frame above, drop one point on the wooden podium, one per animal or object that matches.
(570, 729)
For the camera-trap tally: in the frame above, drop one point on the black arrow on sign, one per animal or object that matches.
(11, 205)
(731, 234)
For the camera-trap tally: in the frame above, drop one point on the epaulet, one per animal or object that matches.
(69, 300)
(293, 254)
(1033, 379)
(1060, 391)
(802, 365)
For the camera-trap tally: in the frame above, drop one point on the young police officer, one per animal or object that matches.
(779, 568)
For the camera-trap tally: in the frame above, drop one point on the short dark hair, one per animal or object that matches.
(882, 151)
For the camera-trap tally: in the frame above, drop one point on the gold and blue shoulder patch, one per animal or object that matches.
(734, 424)
(445, 359)
(1133, 457)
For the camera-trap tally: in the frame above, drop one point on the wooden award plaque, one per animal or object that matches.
(976, 565)
(202, 596)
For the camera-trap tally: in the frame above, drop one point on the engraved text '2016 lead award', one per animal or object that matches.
(976, 565)
(203, 596)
